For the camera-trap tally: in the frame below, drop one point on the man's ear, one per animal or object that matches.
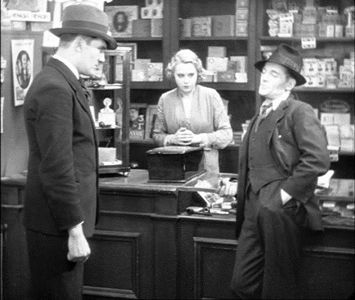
(291, 83)
(79, 43)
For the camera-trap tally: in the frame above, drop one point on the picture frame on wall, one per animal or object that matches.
(121, 18)
(22, 68)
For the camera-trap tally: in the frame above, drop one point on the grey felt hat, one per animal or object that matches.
(288, 57)
(86, 20)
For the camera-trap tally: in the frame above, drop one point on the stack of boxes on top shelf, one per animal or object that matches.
(146, 70)
(151, 22)
(221, 68)
(150, 25)
(317, 22)
(291, 20)
(218, 25)
(325, 73)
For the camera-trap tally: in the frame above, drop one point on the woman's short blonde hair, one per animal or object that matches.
(185, 56)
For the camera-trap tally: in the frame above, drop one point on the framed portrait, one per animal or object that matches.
(120, 19)
(22, 68)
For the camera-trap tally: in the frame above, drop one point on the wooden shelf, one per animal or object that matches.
(151, 85)
(215, 38)
(298, 39)
(324, 90)
(138, 39)
(228, 86)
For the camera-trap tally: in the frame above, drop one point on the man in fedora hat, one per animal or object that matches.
(62, 181)
(283, 152)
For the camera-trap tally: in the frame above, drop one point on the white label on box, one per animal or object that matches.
(308, 43)
(241, 77)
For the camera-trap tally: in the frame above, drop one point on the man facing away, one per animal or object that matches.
(283, 152)
(62, 181)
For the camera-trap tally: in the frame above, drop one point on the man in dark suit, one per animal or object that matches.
(62, 181)
(283, 152)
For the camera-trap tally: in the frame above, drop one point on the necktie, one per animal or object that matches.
(264, 110)
(85, 89)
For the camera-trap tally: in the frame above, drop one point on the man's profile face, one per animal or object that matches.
(273, 81)
(92, 57)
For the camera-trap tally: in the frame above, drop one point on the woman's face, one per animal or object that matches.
(185, 75)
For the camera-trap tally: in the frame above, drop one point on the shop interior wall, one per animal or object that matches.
(14, 144)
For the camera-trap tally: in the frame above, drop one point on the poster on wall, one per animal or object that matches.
(22, 68)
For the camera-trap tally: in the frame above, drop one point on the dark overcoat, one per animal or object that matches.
(62, 180)
(298, 146)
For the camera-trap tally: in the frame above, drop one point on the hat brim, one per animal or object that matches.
(300, 80)
(111, 42)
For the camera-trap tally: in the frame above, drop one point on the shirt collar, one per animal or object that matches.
(276, 102)
(68, 64)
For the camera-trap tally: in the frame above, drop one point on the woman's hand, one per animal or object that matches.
(184, 137)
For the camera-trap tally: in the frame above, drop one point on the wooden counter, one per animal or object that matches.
(145, 246)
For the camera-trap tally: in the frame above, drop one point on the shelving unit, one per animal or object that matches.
(334, 47)
(241, 96)
(114, 136)
(243, 99)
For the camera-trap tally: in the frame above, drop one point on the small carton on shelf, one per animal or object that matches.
(242, 14)
(201, 26)
(152, 12)
(154, 3)
(241, 28)
(227, 76)
(239, 62)
(217, 64)
(155, 71)
(242, 3)
(216, 51)
(156, 27)
(223, 25)
(185, 27)
(141, 28)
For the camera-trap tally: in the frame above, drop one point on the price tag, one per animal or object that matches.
(308, 43)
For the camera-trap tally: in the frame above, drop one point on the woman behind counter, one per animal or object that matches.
(192, 114)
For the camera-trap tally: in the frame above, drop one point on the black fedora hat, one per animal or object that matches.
(288, 57)
(86, 20)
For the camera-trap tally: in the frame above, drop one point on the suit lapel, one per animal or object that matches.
(244, 145)
(276, 116)
(75, 84)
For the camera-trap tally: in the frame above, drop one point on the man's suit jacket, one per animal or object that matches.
(298, 145)
(62, 180)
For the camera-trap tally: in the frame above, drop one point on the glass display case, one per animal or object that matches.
(109, 106)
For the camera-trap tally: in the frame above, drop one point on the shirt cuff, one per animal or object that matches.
(204, 139)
